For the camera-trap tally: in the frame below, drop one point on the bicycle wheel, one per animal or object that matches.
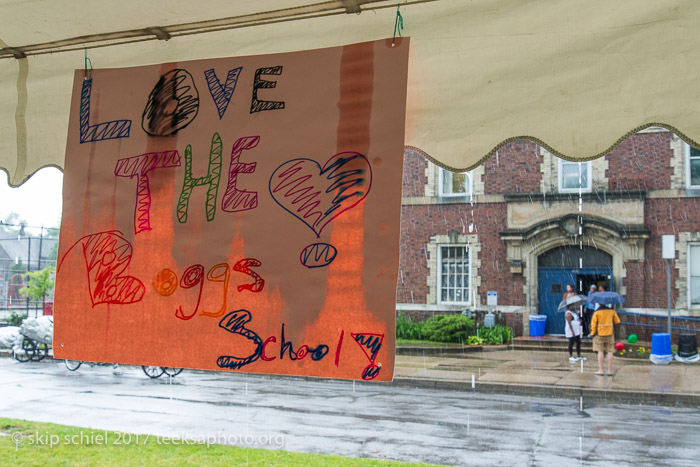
(27, 351)
(42, 350)
(72, 365)
(153, 371)
(172, 371)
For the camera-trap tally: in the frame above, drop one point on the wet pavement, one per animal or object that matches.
(549, 373)
(390, 421)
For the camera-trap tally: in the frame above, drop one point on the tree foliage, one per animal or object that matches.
(39, 283)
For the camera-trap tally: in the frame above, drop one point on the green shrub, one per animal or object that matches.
(474, 340)
(496, 335)
(408, 329)
(15, 319)
(448, 328)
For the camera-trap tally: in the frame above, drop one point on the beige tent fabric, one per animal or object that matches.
(576, 75)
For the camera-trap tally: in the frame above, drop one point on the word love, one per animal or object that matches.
(166, 282)
(236, 323)
(173, 103)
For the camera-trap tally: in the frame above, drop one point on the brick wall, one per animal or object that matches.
(515, 170)
(490, 220)
(646, 282)
(419, 223)
(641, 162)
(634, 281)
(413, 266)
(414, 179)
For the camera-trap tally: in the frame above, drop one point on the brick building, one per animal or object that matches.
(525, 223)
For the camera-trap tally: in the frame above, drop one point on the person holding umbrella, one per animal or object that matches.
(602, 327)
(572, 325)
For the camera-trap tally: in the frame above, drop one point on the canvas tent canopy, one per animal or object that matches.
(578, 76)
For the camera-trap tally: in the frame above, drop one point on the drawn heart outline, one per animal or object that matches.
(107, 256)
(316, 195)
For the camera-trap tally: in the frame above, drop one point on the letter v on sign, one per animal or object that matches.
(222, 94)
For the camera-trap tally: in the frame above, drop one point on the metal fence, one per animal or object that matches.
(13, 278)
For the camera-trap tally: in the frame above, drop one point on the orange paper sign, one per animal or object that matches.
(236, 213)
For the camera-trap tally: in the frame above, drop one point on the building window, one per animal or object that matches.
(694, 274)
(693, 167)
(455, 183)
(453, 277)
(574, 176)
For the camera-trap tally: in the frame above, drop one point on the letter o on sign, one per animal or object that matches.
(172, 105)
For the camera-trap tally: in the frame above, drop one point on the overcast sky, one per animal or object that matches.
(38, 200)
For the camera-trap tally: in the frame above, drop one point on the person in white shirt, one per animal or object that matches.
(572, 329)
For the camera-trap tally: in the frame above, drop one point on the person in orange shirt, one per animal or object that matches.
(603, 338)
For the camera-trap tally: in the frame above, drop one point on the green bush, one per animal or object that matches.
(15, 319)
(496, 335)
(474, 340)
(448, 328)
(408, 329)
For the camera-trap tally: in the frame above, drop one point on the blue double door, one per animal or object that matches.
(552, 286)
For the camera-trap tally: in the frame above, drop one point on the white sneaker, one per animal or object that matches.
(583, 358)
(573, 359)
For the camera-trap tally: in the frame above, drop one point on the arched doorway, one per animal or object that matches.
(569, 264)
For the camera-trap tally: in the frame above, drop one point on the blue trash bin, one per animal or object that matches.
(537, 325)
(661, 348)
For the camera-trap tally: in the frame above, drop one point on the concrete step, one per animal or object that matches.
(549, 349)
(553, 344)
(447, 351)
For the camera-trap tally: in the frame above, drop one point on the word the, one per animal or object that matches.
(233, 199)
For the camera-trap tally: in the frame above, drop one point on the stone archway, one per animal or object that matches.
(622, 242)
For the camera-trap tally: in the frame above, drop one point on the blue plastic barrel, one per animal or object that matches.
(661, 348)
(537, 324)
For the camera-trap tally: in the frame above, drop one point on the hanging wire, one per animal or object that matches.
(87, 60)
(398, 25)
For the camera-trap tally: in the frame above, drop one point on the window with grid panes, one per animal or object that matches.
(694, 274)
(454, 277)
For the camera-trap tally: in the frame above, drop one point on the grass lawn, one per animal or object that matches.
(32, 443)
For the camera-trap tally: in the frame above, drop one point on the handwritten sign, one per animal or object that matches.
(236, 214)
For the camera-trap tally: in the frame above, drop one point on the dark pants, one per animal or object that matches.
(586, 321)
(576, 339)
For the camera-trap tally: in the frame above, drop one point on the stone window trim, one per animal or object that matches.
(682, 264)
(687, 160)
(689, 287)
(441, 188)
(589, 176)
(440, 284)
(433, 175)
(550, 173)
(453, 239)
